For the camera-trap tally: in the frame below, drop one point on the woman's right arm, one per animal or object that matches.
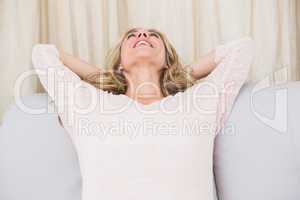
(62, 83)
(78, 66)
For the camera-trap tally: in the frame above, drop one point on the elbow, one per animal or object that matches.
(247, 46)
(248, 43)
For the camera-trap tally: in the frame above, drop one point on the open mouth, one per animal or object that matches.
(142, 43)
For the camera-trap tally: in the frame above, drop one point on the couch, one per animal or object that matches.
(256, 155)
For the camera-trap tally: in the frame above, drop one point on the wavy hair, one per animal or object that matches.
(175, 78)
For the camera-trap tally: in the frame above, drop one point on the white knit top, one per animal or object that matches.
(160, 151)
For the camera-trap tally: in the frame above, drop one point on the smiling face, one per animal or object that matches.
(142, 46)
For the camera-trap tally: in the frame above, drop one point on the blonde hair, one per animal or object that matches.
(175, 78)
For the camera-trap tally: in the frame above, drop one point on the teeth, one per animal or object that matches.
(142, 43)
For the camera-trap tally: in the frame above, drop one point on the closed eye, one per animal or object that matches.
(154, 34)
(130, 35)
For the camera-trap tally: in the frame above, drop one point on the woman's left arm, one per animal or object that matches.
(208, 62)
(226, 68)
(233, 60)
(203, 66)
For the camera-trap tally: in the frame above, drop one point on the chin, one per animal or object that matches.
(144, 55)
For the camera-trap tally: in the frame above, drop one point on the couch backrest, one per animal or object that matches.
(37, 158)
(257, 153)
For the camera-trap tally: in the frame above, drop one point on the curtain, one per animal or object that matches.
(88, 28)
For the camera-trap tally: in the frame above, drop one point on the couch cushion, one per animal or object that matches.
(257, 154)
(37, 158)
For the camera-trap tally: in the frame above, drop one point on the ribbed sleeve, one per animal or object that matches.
(234, 60)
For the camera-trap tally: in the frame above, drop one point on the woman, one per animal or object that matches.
(144, 128)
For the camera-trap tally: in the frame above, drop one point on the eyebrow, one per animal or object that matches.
(135, 30)
(152, 30)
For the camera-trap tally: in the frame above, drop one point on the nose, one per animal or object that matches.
(143, 34)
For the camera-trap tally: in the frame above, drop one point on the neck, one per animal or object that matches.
(143, 83)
